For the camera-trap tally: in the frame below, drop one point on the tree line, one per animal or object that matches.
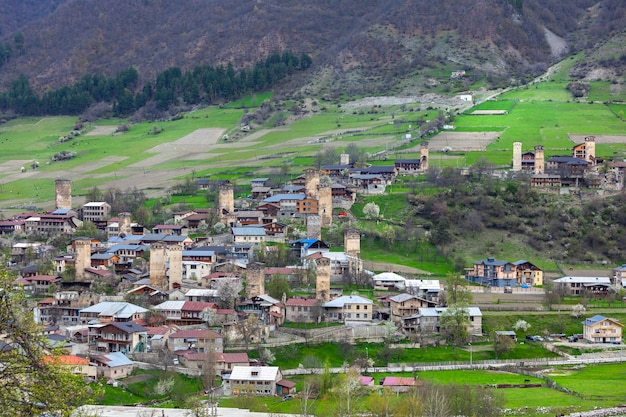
(203, 84)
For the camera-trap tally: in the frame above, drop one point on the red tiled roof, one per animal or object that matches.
(393, 381)
(225, 311)
(198, 306)
(302, 302)
(157, 330)
(66, 360)
(49, 300)
(234, 358)
(286, 384)
(50, 278)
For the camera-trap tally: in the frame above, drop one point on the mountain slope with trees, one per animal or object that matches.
(367, 46)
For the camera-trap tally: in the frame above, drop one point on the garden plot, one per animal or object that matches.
(462, 141)
(576, 138)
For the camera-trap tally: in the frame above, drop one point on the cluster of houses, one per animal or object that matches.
(579, 169)
(178, 299)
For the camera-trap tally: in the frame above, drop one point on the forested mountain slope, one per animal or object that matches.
(56, 42)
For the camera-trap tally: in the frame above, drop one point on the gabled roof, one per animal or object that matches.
(339, 302)
(302, 302)
(112, 308)
(388, 276)
(394, 381)
(438, 311)
(127, 326)
(263, 373)
(598, 318)
(114, 359)
(279, 197)
(198, 306)
(248, 231)
(584, 280)
(196, 334)
(400, 298)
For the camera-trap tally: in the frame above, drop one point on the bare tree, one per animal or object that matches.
(227, 292)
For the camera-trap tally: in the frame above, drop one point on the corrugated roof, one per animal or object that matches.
(263, 373)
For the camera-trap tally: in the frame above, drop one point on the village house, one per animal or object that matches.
(404, 305)
(252, 235)
(170, 229)
(427, 321)
(124, 337)
(197, 340)
(302, 310)
(269, 310)
(257, 380)
(349, 308)
(590, 286)
(74, 365)
(389, 281)
(600, 329)
(114, 365)
(97, 212)
(493, 273)
(111, 311)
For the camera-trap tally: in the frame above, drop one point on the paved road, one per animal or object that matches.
(118, 411)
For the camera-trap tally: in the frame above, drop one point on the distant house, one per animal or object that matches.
(404, 305)
(125, 337)
(528, 274)
(114, 365)
(399, 384)
(592, 286)
(198, 340)
(493, 273)
(110, 311)
(255, 380)
(73, 364)
(427, 320)
(302, 310)
(253, 235)
(600, 329)
(389, 281)
(349, 308)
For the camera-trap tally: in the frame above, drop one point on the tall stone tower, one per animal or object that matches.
(352, 248)
(344, 159)
(322, 280)
(124, 223)
(226, 198)
(590, 149)
(313, 227)
(424, 157)
(517, 156)
(83, 257)
(158, 259)
(325, 204)
(311, 182)
(63, 194)
(175, 258)
(255, 280)
(540, 163)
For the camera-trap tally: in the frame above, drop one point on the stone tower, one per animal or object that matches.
(517, 156)
(175, 258)
(344, 159)
(63, 194)
(226, 198)
(322, 280)
(124, 224)
(255, 280)
(424, 157)
(313, 227)
(540, 162)
(590, 149)
(158, 258)
(82, 248)
(311, 182)
(352, 248)
(325, 204)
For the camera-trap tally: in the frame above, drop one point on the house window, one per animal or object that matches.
(358, 316)
(365, 315)
(364, 307)
(358, 307)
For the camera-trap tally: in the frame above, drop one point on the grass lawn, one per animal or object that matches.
(594, 381)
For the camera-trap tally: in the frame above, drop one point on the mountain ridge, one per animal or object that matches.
(374, 44)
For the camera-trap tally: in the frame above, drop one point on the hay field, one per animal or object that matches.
(462, 141)
(576, 138)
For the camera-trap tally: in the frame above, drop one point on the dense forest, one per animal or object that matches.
(369, 45)
(206, 84)
(567, 228)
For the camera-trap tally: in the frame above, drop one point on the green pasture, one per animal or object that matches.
(545, 91)
(250, 101)
(494, 105)
(619, 110)
(594, 381)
